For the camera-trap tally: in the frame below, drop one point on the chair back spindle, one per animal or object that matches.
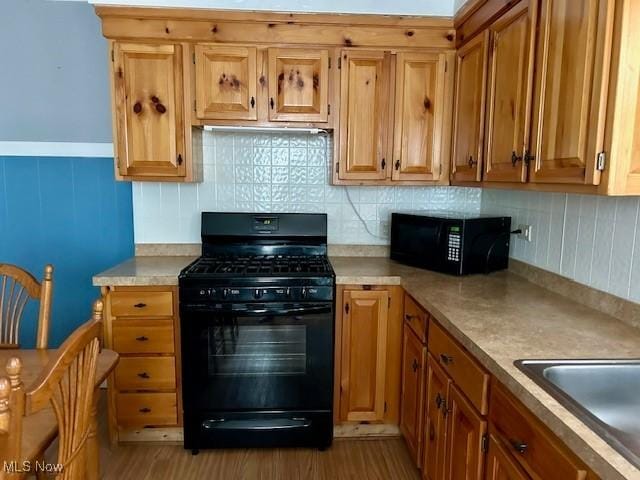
(17, 286)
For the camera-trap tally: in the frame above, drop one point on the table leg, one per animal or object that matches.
(93, 447)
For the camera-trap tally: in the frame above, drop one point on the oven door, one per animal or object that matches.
(258, 357)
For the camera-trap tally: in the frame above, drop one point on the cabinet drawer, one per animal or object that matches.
(141, 304)
(143, 336)
(146, 373)
(416, 318)
(538, 451)
(146, 409)
(463, 369)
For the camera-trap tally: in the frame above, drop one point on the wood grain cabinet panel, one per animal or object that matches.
(146, 409)
(414, 357)
(143, 335)
(509, 93)
(465, 436)
(500, 464)
(435, 424)
(364, 120)
(137, 303)
(421, 116)
(364, 355)
(226, 78)
(469, 109)
(298, 85)
(146, 373)
(571, 80)
(149, 119)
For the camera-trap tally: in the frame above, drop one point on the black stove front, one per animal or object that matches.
(257, 327)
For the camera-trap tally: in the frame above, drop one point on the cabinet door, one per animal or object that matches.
(364, 355)
(149, 113)
(364, 119)
(469, 108)
(435, 424)
(421, 116)
(413, 379)
(465, 432)
(570, 91)
(298, 85)
(500, 465)
(509, 95)
(225, 82)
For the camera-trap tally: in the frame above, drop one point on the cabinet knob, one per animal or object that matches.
(272, 103)
(515, 158)
(415, 365)
(397, 165)
(346, 308)
(439, 400)
(519, 446)
(179, 159)
(253, 102)
(384, 164)
(471, 161)
(446, 359)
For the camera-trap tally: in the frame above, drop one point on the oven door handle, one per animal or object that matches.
(303, 310)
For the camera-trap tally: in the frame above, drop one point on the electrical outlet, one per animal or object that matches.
(526, 232)
(384, 229)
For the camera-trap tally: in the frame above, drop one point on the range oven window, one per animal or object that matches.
(247, 350)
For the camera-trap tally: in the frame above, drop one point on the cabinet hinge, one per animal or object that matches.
(388, 302)
(194, 105)
(337, 167)
(193, 56)
(528, 158)
(329, 109)
(601, 161)
(112, 56)
(329, 62)
(485, 443)
(339, 63)
(385, 407)
(446, 66)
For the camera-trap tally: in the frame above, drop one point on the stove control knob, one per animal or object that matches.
(203, 292)
(225, 293)
(288, 292)
(303, 293)
(257, 293)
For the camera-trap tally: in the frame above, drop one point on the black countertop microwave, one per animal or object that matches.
(453, 243)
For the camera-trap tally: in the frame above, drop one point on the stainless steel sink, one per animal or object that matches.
(604, 394)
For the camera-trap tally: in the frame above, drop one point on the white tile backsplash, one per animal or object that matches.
(592, 240)
(280, 172)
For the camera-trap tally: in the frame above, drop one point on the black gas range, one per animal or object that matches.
(257, 326)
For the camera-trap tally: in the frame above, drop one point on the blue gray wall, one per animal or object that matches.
(54, 85)
(66, 211)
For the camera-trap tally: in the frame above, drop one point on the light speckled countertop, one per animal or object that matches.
(499, 318)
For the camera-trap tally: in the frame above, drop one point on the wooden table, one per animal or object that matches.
(40, 429)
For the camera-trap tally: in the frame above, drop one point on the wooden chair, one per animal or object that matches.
(16, 287)
(68, 385)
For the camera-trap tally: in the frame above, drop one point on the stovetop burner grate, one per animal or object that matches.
(255, 265)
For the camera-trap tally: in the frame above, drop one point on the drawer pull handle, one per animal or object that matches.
(140, 305)
(408, 317)
(144, 375)
(446, 359)
(145, 410)
(142, 338)
(439, 401)
(519, 446)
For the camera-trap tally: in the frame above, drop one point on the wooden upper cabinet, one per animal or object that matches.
(500, 465)
(414, 359)
(469, 109)
(509, 93)
(435, 425)
(364, 354)
(570, 91)
(149, 120)
(364, 122)
(421, 116)
(298, 85)
(226, 82)
(465, 432)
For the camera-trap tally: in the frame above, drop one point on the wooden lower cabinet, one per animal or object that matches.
(466, 430)
(414, 357)
(435, 424)
(500, 464)
(368, 355)
(141, 324)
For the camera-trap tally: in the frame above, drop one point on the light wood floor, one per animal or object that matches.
(370, 459)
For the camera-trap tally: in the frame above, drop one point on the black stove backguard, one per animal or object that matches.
(257, 332)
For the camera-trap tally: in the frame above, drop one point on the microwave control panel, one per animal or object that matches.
(454, 244)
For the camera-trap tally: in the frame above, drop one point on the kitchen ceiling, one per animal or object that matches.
(397, 7)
